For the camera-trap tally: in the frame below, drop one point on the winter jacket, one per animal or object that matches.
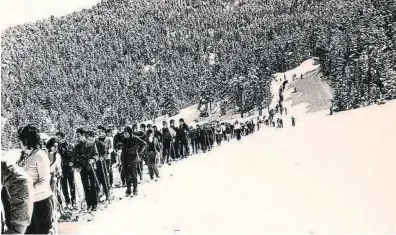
(17, 198)
(118, 138)
(194, 134)
(132, 148)
(37, 166)
(158, 135)
(166, 135)
(66, 152)
(183, 129)
(83, 152)
(102, 148)
(153, 146)
(177, 132)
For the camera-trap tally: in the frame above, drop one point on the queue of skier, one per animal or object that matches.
(99, 156)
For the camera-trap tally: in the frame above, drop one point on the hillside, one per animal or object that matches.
(142, 59)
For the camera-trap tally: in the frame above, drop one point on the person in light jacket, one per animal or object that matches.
(37, 165)
(16, 197)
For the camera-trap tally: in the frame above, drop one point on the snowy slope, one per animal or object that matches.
(330, 174)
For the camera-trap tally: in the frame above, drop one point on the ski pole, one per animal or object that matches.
(94, 173)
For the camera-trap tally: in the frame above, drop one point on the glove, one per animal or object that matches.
(101, 158)
(70, 163)
(91, 161)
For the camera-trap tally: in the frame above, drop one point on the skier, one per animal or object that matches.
(238, 128)
(153, 149)
(132, 148)
(101, 168)
(194, 136)
(223, 129)
(166, 143)
(56, 174)
(228, 132)
(108, 160)
(183, 133)
(67, 181)
(280, 122)
(293, 121)
(202, 138)
(86, 155)
(175, 147)
(34, 160)
(285, 109)
(142, 135)
(219, 134)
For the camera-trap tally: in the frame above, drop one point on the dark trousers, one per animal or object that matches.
(238, 134)
(194, 145)
(139, 169)
(41, 222)
(183, 147)
(67, 182)
(175, 149)
(90, 188)
(165, 152)
(203, 143)
(103, 178)
(152, 163)
(130, 174)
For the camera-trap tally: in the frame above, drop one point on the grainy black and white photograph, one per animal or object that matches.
(198, 117)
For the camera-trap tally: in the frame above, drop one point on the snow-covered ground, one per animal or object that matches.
(329, 174)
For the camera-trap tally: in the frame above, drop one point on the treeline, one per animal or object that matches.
(141, 59)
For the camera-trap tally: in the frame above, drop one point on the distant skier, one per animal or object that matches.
(228, 132)
(219, 134)
(238, 128)
(293, 121)
(194, 137)
(152, 153)
(280, 122)
(285, 109)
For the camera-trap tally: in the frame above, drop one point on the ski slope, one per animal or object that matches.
(329, 174)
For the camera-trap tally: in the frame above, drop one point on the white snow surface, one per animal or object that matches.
(328, 175)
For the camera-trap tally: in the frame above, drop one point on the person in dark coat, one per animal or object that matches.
(202, 138)
(132, 148)
(167, 139)
(101, 164)
(67, 181)
(194, 137)
(183, 133)
(86, 155)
